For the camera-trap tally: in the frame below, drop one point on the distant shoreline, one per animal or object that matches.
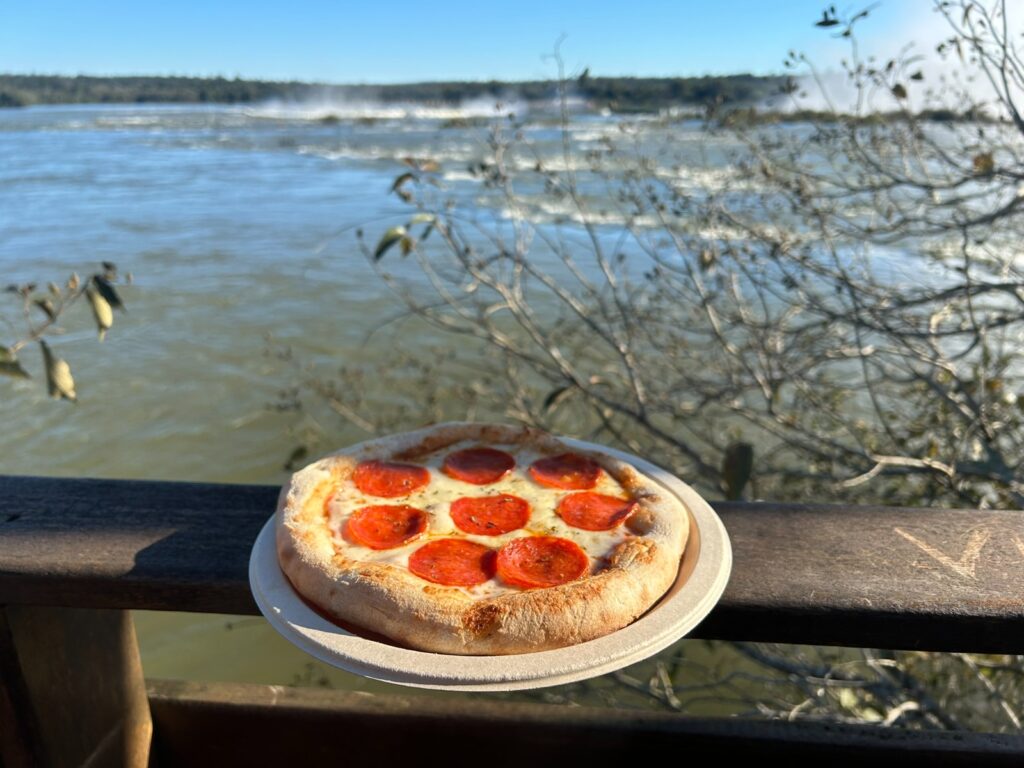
(735, 100)
(616, 94)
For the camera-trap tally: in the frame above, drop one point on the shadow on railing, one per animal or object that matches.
(75, 555)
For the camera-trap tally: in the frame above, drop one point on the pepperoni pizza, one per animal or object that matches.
(479, 539)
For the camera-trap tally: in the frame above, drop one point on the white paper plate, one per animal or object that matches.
(705, 570)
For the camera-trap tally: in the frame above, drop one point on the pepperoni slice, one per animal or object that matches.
(385, 527)
(568, 471)
(453, 562)
(541, 561)
(389, 479)
(490, 515)
(478, 466)
(594, 511)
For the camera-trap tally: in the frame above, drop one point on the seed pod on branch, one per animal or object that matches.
(106, 290)
(59, 381)
(10, 365)
(101, 311)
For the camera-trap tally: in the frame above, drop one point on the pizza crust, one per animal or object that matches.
(390, 601)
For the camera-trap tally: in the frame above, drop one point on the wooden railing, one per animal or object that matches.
(75, 555)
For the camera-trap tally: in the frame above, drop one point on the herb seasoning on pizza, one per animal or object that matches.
(479, 539)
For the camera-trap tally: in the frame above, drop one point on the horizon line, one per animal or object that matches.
(573, 77)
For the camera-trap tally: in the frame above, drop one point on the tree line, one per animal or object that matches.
(620, 94)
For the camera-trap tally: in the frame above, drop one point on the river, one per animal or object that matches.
(237, 226)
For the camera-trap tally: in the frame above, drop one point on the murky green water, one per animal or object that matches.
(237, 226)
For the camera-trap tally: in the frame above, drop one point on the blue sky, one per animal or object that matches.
(387, 41)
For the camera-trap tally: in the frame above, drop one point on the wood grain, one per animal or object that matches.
(224, 724)
(81, 695)
(821, 574)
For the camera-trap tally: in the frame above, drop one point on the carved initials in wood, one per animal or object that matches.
(968, 562)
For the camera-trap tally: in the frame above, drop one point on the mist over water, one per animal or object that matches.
(329, 107)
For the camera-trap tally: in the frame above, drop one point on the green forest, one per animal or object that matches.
(620, 94)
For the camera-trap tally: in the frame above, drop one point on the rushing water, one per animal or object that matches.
(236, 225)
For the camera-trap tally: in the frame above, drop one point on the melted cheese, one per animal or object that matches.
(436, 497)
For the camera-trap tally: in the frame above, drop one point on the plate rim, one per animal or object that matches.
(298, 623)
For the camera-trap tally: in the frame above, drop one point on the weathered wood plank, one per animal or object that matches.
(924, 579)
(20, 742)
(220, 724)
(81, 695)
(885, 577)
(129, 544)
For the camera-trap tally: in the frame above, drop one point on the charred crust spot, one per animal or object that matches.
(340, 560)
(481, 620)
(641, 521)
(372, 573)
(369, 572)
(632, 552)
(623, 473)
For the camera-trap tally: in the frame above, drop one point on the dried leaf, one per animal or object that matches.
(392, 236)
(828, 18)
(11, 366)
(407, 245)
(74, 282)
(984, 164)
(107, 291)
(423, 164)
(47, 306)
(14, 370)
(59, 381)
(899, 91)
(101, 311)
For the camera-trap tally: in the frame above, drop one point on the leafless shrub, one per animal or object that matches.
(839, 316)
(41, 310)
